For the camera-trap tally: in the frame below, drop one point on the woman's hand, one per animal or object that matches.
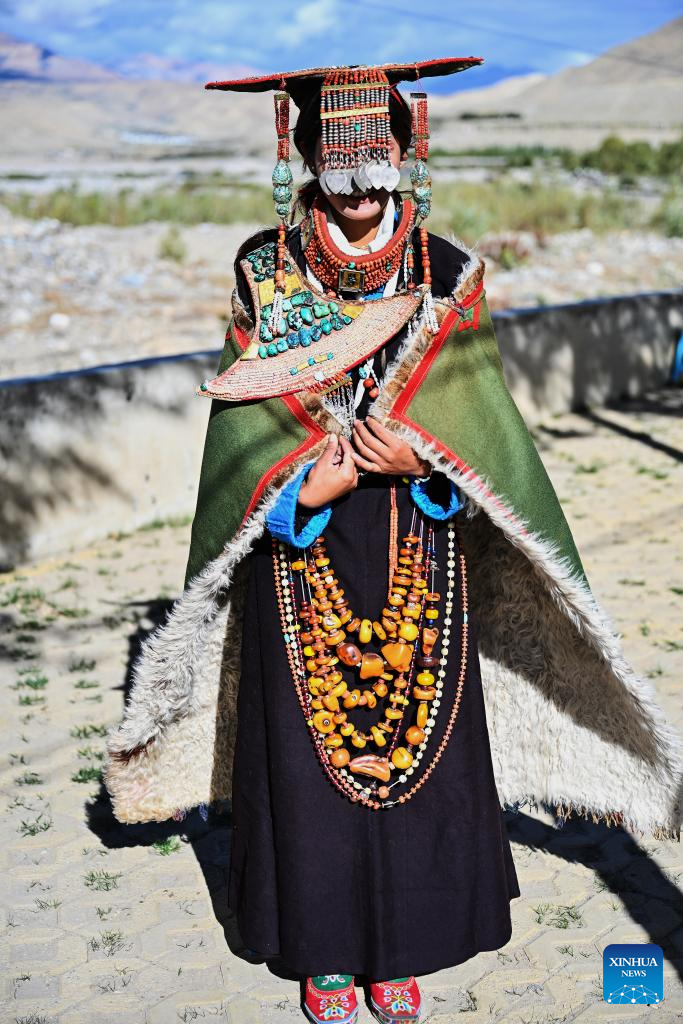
(332, 475)
(378, 450)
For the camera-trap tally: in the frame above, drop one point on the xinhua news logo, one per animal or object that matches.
(633, 972)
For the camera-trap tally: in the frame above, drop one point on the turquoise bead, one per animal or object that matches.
(265, 334)
(326, 326)
(272, 349)
(293, 339)
(311, 360)
(263, 351)
(282, 327)
(298, 299)
(346, 319)
(282, 345)
(293, 371)
(307, 314)
(286, 305)
(334, 307)
(265, 312)
(337, 323)
(282, 174)
(320, 309)
(316, 333)
(305, 338)
(351, 265)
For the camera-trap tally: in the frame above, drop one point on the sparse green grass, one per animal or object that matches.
(29, 699)
(170, 845)
(110, 943)
(559, 916)
(51, 904)
(470, 209)
(171, 246)
(33, 828)
(87, 773)
(103, 912)
(82, 665)
(32, 679)
(29, 779)
(73, 612)
(24, 598)
(102, 881)
(626, 582)
(190, 204)
(91, 753)
(86, 684)
(657, 474)
(84, 732)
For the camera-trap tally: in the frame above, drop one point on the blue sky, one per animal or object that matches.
(536, 35)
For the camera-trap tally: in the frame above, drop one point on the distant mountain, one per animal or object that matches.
(20, 60)
(637, 83)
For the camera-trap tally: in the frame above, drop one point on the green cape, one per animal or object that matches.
(571, 725)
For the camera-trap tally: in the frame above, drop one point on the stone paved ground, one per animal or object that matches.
(109, 924)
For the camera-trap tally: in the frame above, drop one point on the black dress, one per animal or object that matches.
(327, 884)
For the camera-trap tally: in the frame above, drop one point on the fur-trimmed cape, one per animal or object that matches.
(571, 725)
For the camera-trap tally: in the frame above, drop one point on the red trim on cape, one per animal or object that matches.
(315, 435)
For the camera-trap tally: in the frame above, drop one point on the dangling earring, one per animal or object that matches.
(419, 176)
(282, 197)
(422, 194)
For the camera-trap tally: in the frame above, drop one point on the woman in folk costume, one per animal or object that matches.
(386, 633)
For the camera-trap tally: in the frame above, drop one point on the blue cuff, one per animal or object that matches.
(280, 520)
(418, 492)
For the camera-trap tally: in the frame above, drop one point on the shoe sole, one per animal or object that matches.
(385, 1018)
(351, 1019)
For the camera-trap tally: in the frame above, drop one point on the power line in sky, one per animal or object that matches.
(507, 31)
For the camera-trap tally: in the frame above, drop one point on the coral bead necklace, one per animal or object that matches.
(322, 633)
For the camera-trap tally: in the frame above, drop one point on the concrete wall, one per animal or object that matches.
(110, 448)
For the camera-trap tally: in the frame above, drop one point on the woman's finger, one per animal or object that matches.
(369, 439)
(346, 453)
(364, 449)
(361, 463)
(381, 432)
(330, 448)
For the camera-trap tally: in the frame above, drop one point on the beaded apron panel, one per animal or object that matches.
(317, 340)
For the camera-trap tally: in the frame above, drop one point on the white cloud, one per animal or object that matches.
(76, 13)
(310, 20)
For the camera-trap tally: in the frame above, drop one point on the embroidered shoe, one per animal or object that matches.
(331, 998)
(392, 1001)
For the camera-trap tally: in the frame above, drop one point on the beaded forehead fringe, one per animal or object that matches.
(356, 130)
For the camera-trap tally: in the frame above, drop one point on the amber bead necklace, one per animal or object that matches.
(316, 629)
